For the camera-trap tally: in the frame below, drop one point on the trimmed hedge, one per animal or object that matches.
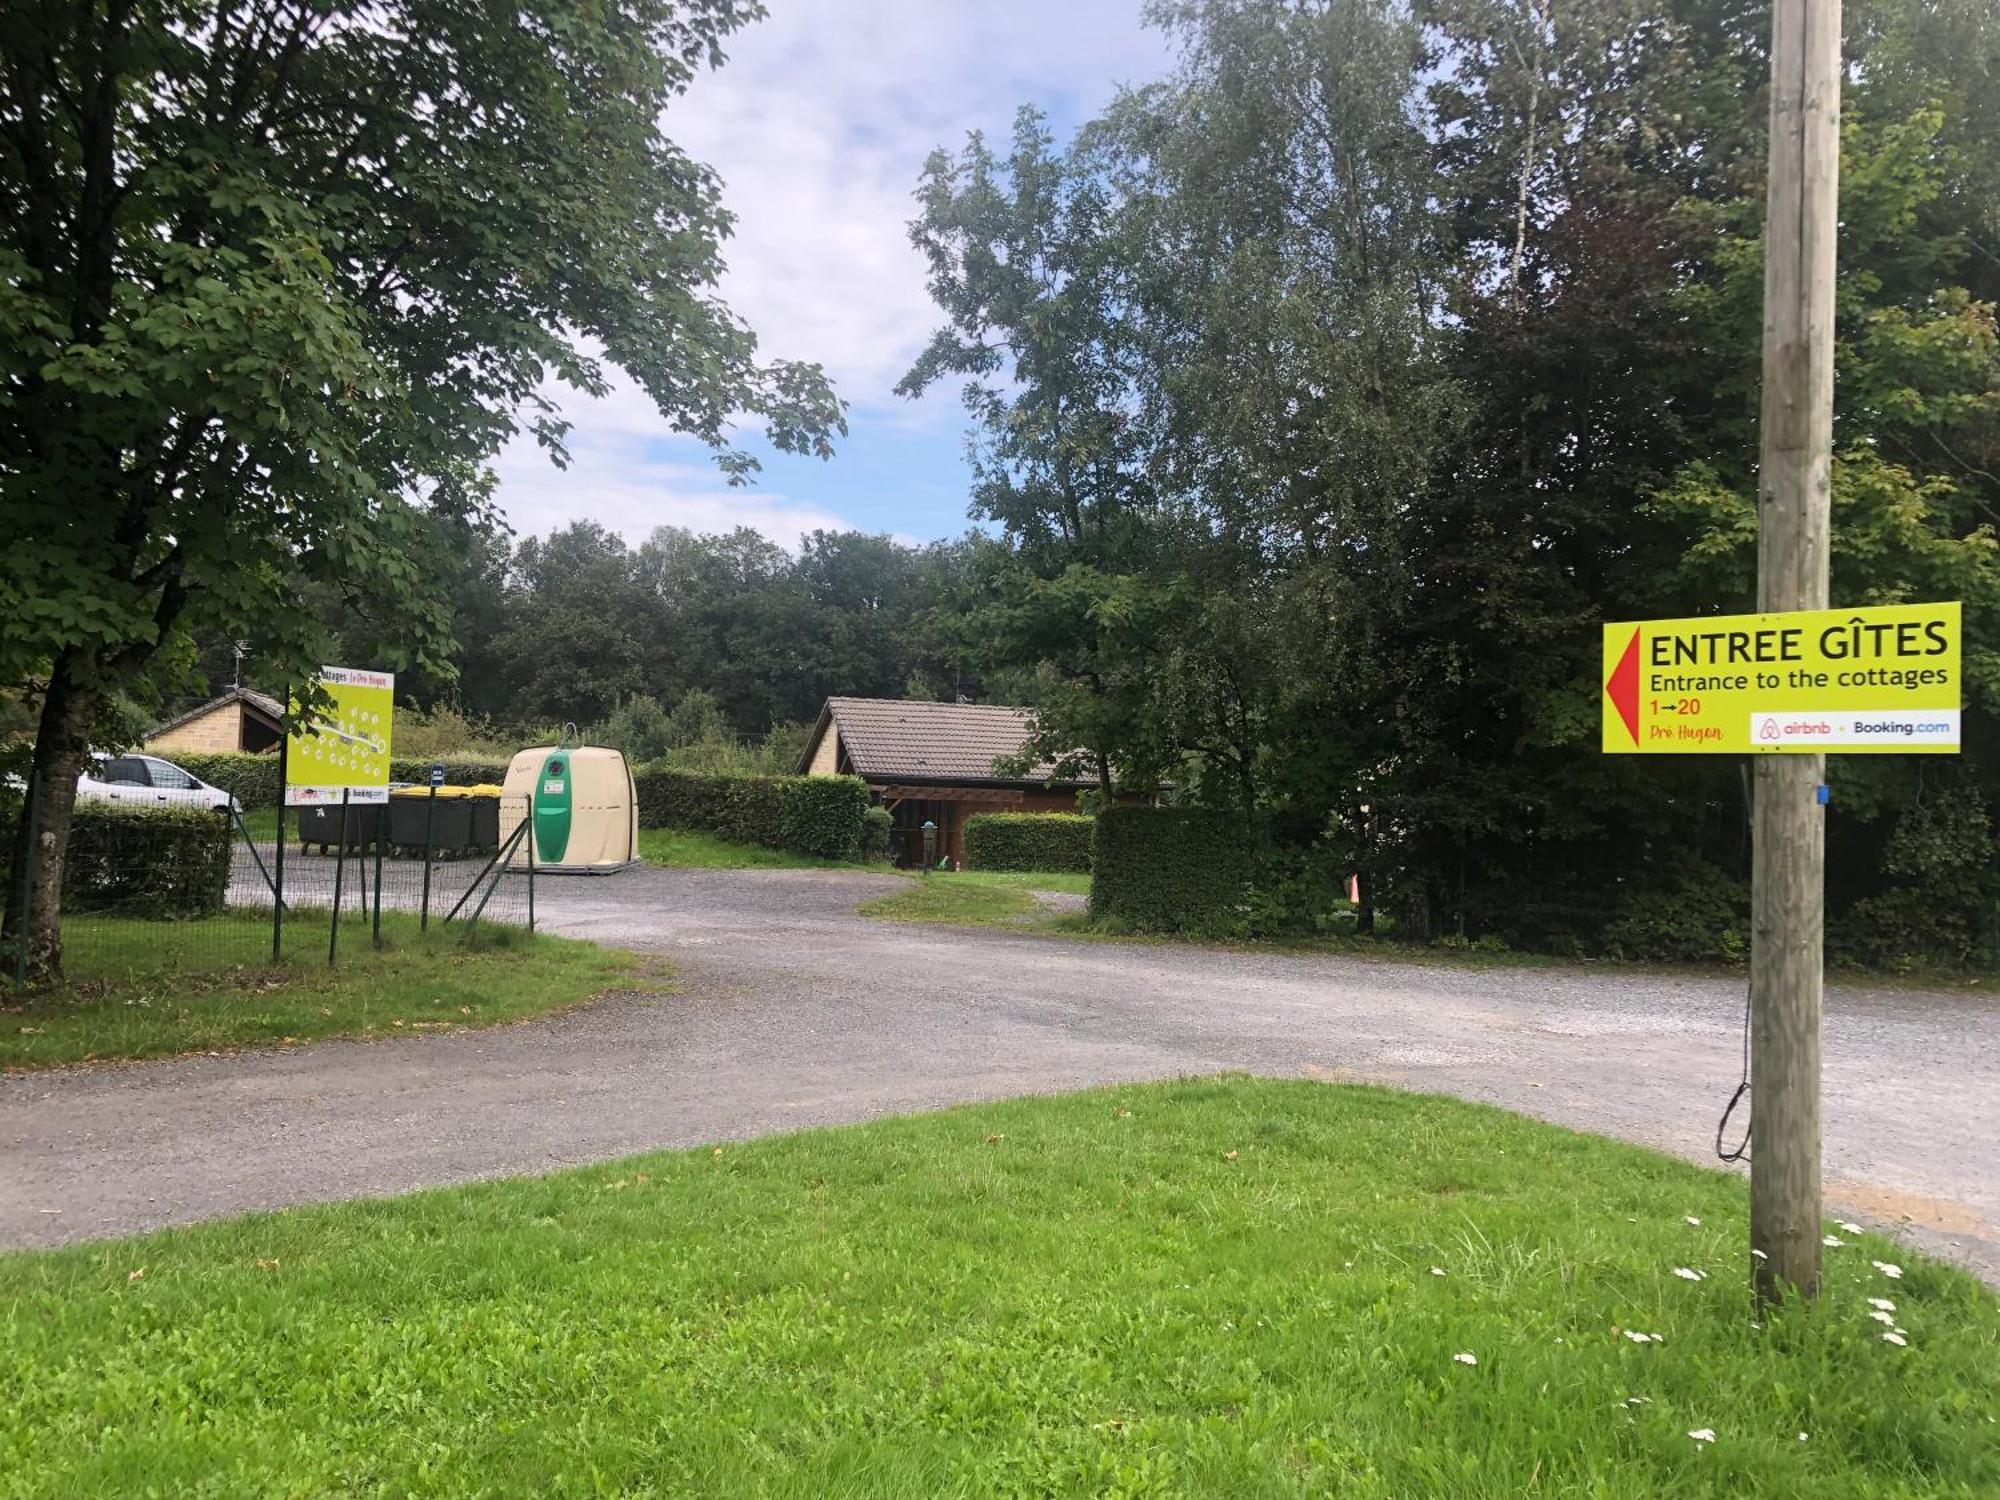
(459, 770)
(170, 863)
(816, 815)
(253, 779)
(1170, 869)
(1028, 841)
(824, 815)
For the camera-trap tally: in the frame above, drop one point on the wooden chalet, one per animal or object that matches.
(933, 762)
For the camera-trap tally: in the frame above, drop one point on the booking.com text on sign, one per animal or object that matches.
(1877, 680)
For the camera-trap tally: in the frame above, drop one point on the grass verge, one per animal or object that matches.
(993, 899)
(985, 898)
(1218, 1288)
(682, 849)
(150, 989)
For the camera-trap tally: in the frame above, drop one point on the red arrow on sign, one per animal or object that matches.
(1623, 688)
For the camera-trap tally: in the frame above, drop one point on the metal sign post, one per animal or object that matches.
(430, 845)
(339, 867)
(278, 888)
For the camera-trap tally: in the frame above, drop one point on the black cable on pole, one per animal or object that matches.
(1741, 1150)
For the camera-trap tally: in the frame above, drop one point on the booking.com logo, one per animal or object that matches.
(1937, 727)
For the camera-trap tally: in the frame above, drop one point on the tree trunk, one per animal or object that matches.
(62, 741)
(1541, 13)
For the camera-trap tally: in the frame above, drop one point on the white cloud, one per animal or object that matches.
(819, 124)
(613, 479)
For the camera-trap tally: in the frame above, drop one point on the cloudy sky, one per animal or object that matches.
(819, 124)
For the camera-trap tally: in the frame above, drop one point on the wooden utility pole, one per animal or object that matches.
(1795, 428)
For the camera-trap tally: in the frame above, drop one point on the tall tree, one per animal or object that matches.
(1293, 366)
(1026, 268)
(276, 276)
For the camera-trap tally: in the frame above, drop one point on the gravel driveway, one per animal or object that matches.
(796, 1011)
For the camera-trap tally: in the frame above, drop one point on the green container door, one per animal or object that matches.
(552, 808)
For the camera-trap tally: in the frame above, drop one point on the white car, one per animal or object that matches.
(148, 781)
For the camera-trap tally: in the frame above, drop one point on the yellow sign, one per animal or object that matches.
(1881, 680)
(345, 751)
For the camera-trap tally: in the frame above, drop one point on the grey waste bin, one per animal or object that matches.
(484, 829)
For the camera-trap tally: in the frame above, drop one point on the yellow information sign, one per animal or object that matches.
(1880, 680)
(344, 752)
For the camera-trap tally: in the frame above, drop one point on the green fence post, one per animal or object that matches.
(236, 819)
(278, 909)
(430, 845)
(530, 821)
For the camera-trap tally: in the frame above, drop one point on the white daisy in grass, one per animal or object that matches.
(1832, 1241)
(1643, 1338)
(1802, 1437)
(1851, 1228)
(1703, 1434)
(1895, 1337)
(1883, 1317)
(1437, 1270)
(1694, 1221)
(1466, 1357)
(1760, 1255)
(1889, 1269)
(1688, 1273)
(1881, 1304)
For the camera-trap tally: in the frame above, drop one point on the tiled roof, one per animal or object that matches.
(263, 703)
(889, 738)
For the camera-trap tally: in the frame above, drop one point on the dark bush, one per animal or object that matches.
(1704, 918)
(1028, 841)
(1903, 930)
(170, 863)
(876, 825)
(817, 815)
(1300, 890)
(1170, 869)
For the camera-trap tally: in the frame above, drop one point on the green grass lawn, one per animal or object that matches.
(679, 848)
(148, 989)
(983, 898)
(1207, 1288)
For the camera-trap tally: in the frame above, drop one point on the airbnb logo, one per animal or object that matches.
(1769, 731)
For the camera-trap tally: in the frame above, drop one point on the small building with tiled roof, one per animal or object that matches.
(241, 719)
(936, 763)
